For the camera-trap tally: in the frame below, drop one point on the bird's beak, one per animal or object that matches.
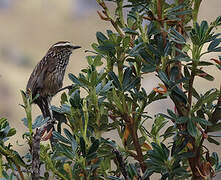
(76, 47)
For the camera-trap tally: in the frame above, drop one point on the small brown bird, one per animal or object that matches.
(47, 77)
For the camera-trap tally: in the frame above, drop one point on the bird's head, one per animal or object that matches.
(61, 49)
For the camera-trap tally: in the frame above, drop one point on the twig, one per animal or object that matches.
(107, 17)
(190, 91)
(20, 172)
(130, 123)
(36, 155)
(159, 9)
(121, 163)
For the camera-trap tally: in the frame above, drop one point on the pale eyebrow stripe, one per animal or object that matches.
(62, 44)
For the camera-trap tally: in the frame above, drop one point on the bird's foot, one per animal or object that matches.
(46, 135)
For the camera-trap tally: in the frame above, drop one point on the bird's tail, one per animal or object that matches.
(44, 105)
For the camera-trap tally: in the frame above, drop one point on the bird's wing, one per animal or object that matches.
(42, 70)
(33, 82)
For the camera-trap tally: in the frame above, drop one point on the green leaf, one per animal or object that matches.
(25, 121)
(216, 50)
(200, 114)
(168, 117)
(201, 121)
(126, 42)
(75, 99)
(132, 84)
(93, 78)
(101, 76)
(61, 138)
(117, 100)
(174, 9)
(206, 98)
(74, 144)
(101, 37)
(178, 94)
(108, 47)
(130, 31)
(148, 68)
(170, 131)
(97, 61)
(11, 132)
(172, 114)
(218, 21)
(159, 123)
(203, 29)
(94, 147)
(84, 82)
(58, 110)
(74, 79)
(178, 13)
(191, 128)
(127, 77)
(107, 87)
(98, 88)
(185, 155)
(195, 93)
(95, 47)
(39, 121)
(136, 49)
(167, 49)
(83, 146)
(174, 72)
(65, 150)
(211, 140)
(18, 158)
(176, 36)
(204, 75)
(116, 82)
(64, 98)
(147, 57)
(148, 173)
(163, 77)
(114, 178)
(214, 44)
(89, 60)
(214, 128)
(202, 63)
(158, 152)
(185, 59)
(68, 134)
(182, 120)
(165, 150)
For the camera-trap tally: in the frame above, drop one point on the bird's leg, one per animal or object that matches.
(50, 110)
(50, 125)
(51, 122)
(66, 87)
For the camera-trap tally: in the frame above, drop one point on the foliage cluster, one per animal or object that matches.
(154, 37)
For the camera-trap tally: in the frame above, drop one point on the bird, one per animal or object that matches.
(47, 78)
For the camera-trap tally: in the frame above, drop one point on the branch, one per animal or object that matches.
(190, 91)
(20, 172)
(132, 128)
(159, 9)
(106, 16)
(121, 163)
(36, 155)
